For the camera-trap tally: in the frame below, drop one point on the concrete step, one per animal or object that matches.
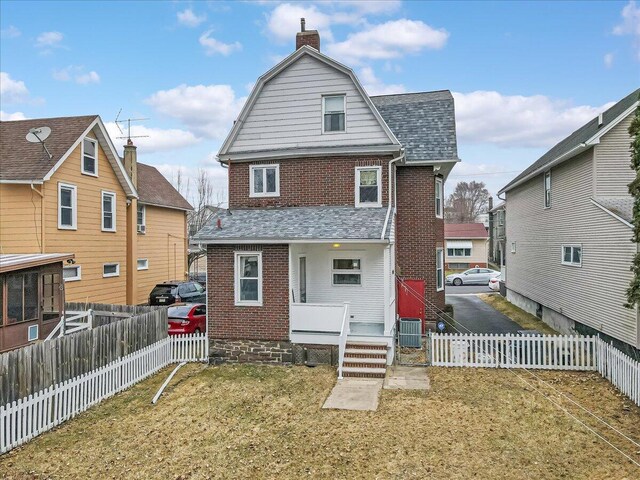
(365, 372)
(351, 361)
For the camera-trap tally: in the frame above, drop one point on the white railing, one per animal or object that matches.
(342, 342)
(556, 352)
(619, 369)
(549, 352)
(22, 420)
(72, 322)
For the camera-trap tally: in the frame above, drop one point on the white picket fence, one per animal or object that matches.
(550, 352)
(26, 418)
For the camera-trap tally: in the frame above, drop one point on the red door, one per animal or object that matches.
(410, 295)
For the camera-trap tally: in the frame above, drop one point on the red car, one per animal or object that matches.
(187, 318)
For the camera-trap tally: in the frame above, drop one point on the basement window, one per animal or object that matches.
(90, 156)
(143, 264)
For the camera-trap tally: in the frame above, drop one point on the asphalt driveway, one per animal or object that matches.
(465, 289)
(472, 314)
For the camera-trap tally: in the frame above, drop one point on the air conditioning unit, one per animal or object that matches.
(142, 228)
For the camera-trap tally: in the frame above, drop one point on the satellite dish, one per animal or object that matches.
(39, 135)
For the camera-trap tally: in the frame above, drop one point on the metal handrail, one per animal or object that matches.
(342, 341)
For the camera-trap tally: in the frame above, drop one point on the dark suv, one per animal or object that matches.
(169, 293)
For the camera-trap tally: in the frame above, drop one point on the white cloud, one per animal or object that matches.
(389, 40)
(608, 60)
(374, 86)
(5, 116)
(284, 22)
(12, 91)
(190, 19)
(10, 32)
(206, 110)
(630, 24)
(372, 7)
(49, 39)
(151, 139)
(213, 46)
(518, 121)
(77, 74)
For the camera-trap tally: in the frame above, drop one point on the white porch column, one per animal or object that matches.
(387, 292)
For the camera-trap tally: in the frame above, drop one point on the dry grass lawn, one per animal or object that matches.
(522, 318)
(266, 422)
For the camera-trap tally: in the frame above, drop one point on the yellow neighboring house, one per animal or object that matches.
(123, 221)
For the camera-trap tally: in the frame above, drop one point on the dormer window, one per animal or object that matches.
(333, 113)
(368, 186)
(90, 156)
(264, 181)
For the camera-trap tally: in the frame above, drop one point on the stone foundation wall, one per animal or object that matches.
(250, 351)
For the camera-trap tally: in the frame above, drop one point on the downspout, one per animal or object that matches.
(42, 237)
(392, 192)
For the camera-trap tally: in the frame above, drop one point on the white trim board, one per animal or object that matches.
(606, 210)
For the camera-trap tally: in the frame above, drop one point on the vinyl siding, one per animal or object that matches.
(163, 245)
(288, 112)
(367, 300)
(20, 219)
(613, 161)
(92, 247)
(593, 294)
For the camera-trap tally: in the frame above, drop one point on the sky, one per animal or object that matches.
(523, 74)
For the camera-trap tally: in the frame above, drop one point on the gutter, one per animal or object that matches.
(386, 219)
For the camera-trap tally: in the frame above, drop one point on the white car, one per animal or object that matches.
(473, 276)
(494, 283)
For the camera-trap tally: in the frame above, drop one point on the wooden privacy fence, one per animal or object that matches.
(550, 352)
(28, 417)
(35, 367)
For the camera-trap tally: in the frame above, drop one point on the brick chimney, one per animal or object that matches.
(307, 37)
(131, 162)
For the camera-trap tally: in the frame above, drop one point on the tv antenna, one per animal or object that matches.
(39, 135)
(128, 122)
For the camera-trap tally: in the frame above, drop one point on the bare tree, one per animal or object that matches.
(467, 201)
(204, 206)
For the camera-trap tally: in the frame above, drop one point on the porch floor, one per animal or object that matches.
(366, 329)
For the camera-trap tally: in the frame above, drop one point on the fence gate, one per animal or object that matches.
(412, 346)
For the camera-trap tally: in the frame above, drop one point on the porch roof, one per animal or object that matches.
(10, 262)
(291, 224)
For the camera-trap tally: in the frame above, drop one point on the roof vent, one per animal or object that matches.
(600, 120)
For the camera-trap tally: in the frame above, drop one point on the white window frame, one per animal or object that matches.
(360, 272)
(78, 275)
(106, 193)
(440, 271)
(144, 220)
(571, 246)
(85, 172)
(439, 211)
(546, 198)
(146, 264)
(32, 333)
(513, 247)
(463, 253)
(344, 103)
(252, 192)
(359, 204)
(74, 206)
(108, 275)
(236, 277)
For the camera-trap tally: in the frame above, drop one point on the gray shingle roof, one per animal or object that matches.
(620, 206)
(424, 123)
(581, 135)
(295, 223)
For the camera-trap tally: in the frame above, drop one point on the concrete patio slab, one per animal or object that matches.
(355, 394)
(407, 378)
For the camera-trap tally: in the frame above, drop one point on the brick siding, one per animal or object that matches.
(307, 181)
(419, 232)
(228, 321)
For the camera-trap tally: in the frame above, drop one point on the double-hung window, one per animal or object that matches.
(368, 186)
(67, 206)
(439, 269)
(142, 219)
(572, 255)
(346, 271)
(439, 197)
(108, 212)
(264, 181)
(90, 156)
(333, 113)
(547, 189)
(248, 278)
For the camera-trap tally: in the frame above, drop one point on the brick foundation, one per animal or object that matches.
(249, 351)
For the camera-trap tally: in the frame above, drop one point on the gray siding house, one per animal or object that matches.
(568, 231)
